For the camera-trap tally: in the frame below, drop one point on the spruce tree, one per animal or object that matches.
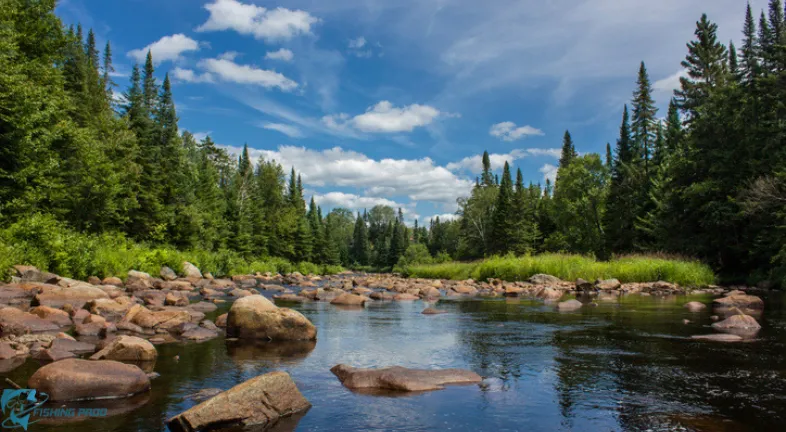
(149, 85)
(706, 66)
(620, 211)
(487, 178)
(108, 69)
(643, 120)
(568, 150)
(360, 245)
(502, 219)
(749, 58)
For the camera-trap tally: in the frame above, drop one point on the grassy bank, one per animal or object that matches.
(571, 267)
(51, 246)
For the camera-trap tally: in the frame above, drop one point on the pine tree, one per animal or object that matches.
(706, 66)
(608, 156)
(487, 178)
(620, 212)
(108, 69)
(360, 245)
(734, 68)
(749, 64)
(643, 120)
(149, 85)
(502, 219)
(568, 150)
(524, 235)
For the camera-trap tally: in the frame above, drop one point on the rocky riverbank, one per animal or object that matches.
(97, 338)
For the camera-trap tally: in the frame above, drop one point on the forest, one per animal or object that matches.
(95, 179)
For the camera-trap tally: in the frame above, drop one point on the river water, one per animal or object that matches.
(627, 364)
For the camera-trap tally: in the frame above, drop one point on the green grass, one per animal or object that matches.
(638, 268)
(47, 244)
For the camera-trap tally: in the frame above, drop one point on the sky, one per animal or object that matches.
(393, 102)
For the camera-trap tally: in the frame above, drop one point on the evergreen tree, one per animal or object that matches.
(749, 59)
(643, 121)
(360, 244)
(487, 178)
(568, 150)
(706, 67)
(620, 212)
(502, 221)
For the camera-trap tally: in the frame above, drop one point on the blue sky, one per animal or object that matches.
(392, 102)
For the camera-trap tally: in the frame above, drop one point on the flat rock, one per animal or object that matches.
(402, 379)
(350, 300)
(260, 402)
(742, 301)
(57, 316)
(405, 297)
(73, 346)
(15, 321)
(77, 379)
(695, 306)
(76, 296)
(433, 311)
(203, 307)
(608, 284)
(52, 355)
(199, 334)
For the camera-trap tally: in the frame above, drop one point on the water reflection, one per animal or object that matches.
(286, 353)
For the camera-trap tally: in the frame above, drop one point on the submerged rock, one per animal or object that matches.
(256, 317)
(433, 311)
(695, 306)
(260, 402)
(745, 322)
(76, 379)
(402, 379)
(742, 301)
(720, 337)
(569, 305)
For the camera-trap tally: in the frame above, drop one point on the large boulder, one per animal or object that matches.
(76, 296)
(544, 279)
(191, 271)
(550, 294)
(402, 379)
(608, 284)
(348, 299)
(164, 319)
(128, 348)
(260, 402)
(167, 273)
(17, 322)
(742, 301)
(743, 322)
(256, 317)
(77, 379)
(109, 308)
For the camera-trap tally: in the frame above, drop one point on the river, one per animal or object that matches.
(626, 364)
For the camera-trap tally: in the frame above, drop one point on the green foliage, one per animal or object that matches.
(570, 267)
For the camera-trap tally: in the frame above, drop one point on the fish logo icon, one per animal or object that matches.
(17, 404)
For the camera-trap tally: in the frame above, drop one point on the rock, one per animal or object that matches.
(433, 311)
(259, 402)
(62, 344)
(686, 321)
(94, 319)
(109, 308)
(550, 294)
(544, 279)
(745, 322)
(199, 334)
(167, 274)
(172, 299)
(164, 319)
(210, 325)
(695, 306)
(52, 355)
(139, 274)
(221, 320)
(94, 329)
(16, 322)
(290, 298)
(722, 337)
(569, 305)
(742, 301)
(582, 285)
(112, 280)
(128, 348)
(177, 285)
(80, 316)
(405, 297)
(76, 296)
(53, 315)
(608, 284)
(381, 295)
(77, 379)
(402, 379)
(256, 317)
(33, 274)
(465, 289)
(191, 271)
(237, 292)
(430, 293)
(6, 351)
(350, 300)
(203, 307)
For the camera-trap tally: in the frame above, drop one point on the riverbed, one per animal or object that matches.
(626, 364)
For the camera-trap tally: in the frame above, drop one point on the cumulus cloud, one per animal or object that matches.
(549, 172)
(507, 131)
(356, 202)
(288, 130)
(188, 75)
(168, 48)
(385, 118)
(474, 164)
(229, 55)
(282, 54)
(417, 179)
(228, 70)
(670, 83)
(249, 19)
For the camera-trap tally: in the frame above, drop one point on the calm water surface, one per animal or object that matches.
(624, 365)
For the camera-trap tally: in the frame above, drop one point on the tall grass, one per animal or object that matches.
(638, 268)
(49, 245)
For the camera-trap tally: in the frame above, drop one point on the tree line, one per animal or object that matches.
(705, 180)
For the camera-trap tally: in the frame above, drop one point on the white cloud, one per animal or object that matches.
(356, 202)
(357, 43)
(188, 75)
(229, 55)
(288, 130)
(282, 54)
(168, 48)
(230, 71)
(444, 217)
(417, 179)
(474, 164)
(248, 19)
(549, 172)
(507, 131)
(199, 136)
(670, 83)
(385, 118)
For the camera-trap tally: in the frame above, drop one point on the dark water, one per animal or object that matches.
(624, 365)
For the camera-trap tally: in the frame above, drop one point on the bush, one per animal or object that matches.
(571, 267)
